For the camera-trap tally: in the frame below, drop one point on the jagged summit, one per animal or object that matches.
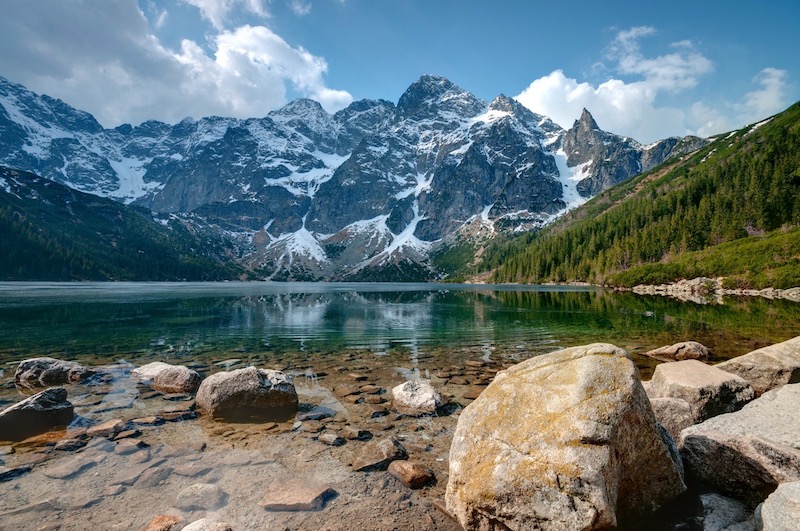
(586, 122)
(429, 91)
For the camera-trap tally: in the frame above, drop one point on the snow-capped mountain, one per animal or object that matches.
(373, 188)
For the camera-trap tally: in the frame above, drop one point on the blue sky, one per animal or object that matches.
(644, 69)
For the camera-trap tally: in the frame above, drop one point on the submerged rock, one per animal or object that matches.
(37, 372)
(296, 494)
(687, 350)
(769, 367)
(36, 414)
(201, 496)
(147, 373)
(248, 394)
(416, 398)
(746, 454)
(561, 441)
(176, 379)
(378, 453)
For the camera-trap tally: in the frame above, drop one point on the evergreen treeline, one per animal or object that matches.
(51, 232)
(662, 225)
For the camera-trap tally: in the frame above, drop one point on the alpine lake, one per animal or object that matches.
(329, 337)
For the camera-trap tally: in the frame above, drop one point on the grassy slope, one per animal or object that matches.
(730, 209)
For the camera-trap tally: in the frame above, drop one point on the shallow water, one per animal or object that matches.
(331, 338)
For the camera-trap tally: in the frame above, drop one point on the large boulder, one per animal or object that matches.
(708, 390)
(36, 414)
(248, 395)
(687, 350)
(746, 454)
(768, 367)
(176, 379)
(38, 372)
(416, 398)
(781, 510)
(561, 441)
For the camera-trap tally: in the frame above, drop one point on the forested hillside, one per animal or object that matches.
(732, 208)
(51, 232)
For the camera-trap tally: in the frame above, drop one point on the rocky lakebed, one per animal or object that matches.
(573, 439)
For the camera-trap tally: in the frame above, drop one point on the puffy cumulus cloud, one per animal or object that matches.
(631, 107)
(105, 59)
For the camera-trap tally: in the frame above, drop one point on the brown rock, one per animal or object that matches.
(377, 454)
(331, 439)
(359, 377)
(248, 394)
(345, 390)
(474, 392)
(36, 414)
(109, 428)
(412, 475)
(355, 434)
(296, 494)
(128, 446)
(176, 379)
(371, 389)
(163, 522)
(374, 399)
(688, 350)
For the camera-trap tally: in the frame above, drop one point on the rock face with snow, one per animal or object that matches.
(561, 441)
(368, 192)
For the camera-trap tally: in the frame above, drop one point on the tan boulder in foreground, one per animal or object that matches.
(561, 441)
(769, 367)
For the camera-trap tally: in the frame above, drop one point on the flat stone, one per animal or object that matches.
(474, 392)
(44, 506)
(113, 490)
(201, 496)
(746, 454)
(296, 494)
(378, 453)
(412, 475)
(352, 434)
(371, 389)
(458, 380)
(192, 470)
(128, 446)
(129, 475)
(73, 467)
(153, 477)
(374, 399)
(331, 439)
(769, 367)
(359, 377)
(475, 363)
(153, 420)
(69, 445)
(346, 390)
(109, 428)
(9, 473)
(127, 433)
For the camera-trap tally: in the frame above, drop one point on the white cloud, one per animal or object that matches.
(767, 100)
(120, 72)
(218, 11)
(631, 107)
(300, 8)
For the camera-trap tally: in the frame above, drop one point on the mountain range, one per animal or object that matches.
(373, 192)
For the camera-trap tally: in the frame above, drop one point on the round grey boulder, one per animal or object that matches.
(248, 395)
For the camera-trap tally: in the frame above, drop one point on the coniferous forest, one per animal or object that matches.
(731, 209)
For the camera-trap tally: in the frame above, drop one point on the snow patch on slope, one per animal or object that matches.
(570, 177)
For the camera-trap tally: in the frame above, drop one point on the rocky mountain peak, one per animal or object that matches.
(586, 122)
(435, 94)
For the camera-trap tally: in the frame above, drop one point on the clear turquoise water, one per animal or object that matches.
(210, 321)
